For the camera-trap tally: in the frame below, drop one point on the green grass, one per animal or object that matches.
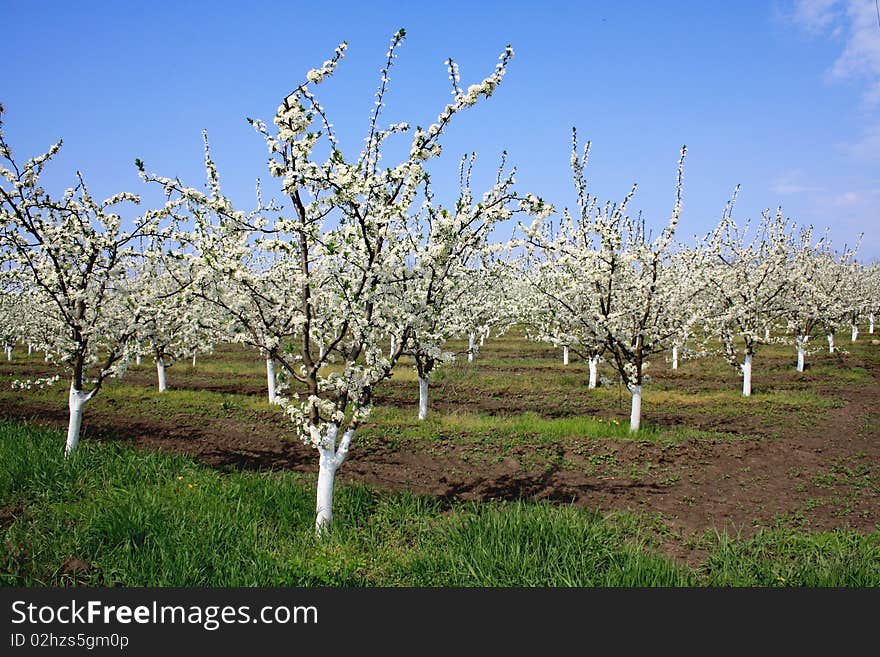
(782, 557)
(120, 397)
(522, 544)
(516, 429)
(191, 402)
(138, 518)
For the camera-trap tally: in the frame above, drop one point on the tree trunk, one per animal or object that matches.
(330, 460)
(9, 352)
(871, 323)
(801, 352)
(76, 402)
(30, 348)
(270, 380)
(594, 372)
(423, 397)
(393, 344)
(855, 332)
(137, 357)
(160, 369)
(471, 338)
(195, 352)
(830, 343)
(326, 475)
(747, 375)
(766, 334)
(675, 356)
(565, 355)
(635, 415)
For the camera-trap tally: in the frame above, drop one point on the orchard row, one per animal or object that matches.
(357, 264)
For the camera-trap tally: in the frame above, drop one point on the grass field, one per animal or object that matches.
(115, 515)
(519, 477)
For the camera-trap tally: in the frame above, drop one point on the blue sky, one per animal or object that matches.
(780, 97)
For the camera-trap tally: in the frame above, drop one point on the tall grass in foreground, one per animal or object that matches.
(116, 515)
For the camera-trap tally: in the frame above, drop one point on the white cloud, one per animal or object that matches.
(847, 200)
(867, 147)
(861, 56)
(816, 15)
(847, 207)
(852, 217)
(857, 22)
(791, 182)
(849, 197)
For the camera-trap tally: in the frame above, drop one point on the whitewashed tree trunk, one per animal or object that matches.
(76, 402)
(30, 348)
(747, 375)
(801, 352)
(321, 352)
(137, 357)
(270, 380)
(830, 343)
(767, 334)
(565, 355)
(855, 332)
(675, 356)
(594, 372)
(9, 352)
(46, 357)
(871, 323)
(331, 458)
(423, 397)
(471, 339)
(324, 501)
(635, 415)
(195, 352)
(160, 370)
(393, 344)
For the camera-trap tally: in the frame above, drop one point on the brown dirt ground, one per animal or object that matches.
(818, 478)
